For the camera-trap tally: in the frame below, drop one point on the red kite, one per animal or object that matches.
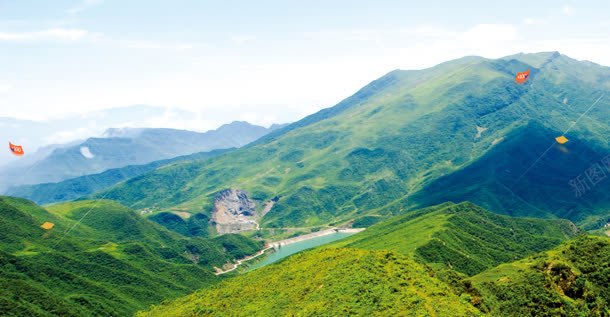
(16, 149)
(522, 77)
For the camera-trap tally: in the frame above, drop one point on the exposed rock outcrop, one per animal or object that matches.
(234, 212)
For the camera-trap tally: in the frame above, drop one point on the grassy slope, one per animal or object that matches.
(391, 139)
(544, 190)
(111, 264)
(331, 282)
(462, 236)
(571, 280)
(374, 272)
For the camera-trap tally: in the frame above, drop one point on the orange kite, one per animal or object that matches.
(561, 139)
(47, 225)
(522, 77)
(16, 149)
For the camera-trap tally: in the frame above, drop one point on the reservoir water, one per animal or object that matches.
(295, 247)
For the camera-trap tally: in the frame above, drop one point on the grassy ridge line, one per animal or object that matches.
(398, 136)
(112, 264)
(463, 237)
(327, 282)
(279, 168)
(570, 280)
(343, 278)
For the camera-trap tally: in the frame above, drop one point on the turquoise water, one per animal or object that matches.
(293, 248)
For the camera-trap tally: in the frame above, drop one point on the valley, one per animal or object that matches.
(389, 267)
(278, 250)
(432, 192)
(111, 262)
(304, 158)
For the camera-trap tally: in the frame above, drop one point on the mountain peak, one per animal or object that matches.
(122, 132)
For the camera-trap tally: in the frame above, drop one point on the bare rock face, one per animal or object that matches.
(234, 212)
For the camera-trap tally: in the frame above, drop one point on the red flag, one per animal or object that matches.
(16, 149)
(522, 77)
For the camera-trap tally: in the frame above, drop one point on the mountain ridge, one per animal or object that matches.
(132, 146)
(349, 276)
(398, 135)
(112, 262)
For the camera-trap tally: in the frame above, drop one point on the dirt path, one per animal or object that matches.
(314, 235)
(239, 262)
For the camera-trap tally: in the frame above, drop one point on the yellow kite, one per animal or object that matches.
(561, 139)
(47, 225)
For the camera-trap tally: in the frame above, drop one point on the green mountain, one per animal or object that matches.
(463, 237)
(100, 259)
(391, 146)
(330, 282)
(85, 185)
(571, 280)
(414, 265)
(544, 191)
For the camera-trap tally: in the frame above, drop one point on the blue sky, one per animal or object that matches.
(261, 61)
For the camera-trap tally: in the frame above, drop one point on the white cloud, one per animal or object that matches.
(242, 39)
(138, 44)
(86, 152)
(567, 10)
(224, 87)
(380, 34)
(84, 5)
(486, 33)
(67, 136)
(45, 35)
(4, 88)
(534, 21)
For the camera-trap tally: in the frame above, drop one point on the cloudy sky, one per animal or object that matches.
(260, 61)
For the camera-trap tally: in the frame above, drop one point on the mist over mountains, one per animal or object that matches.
(469, 205)
(122, 147)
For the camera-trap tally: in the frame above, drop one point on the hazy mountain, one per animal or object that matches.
(74, 188)
(126, 146)
(33, 135)
(396, 144)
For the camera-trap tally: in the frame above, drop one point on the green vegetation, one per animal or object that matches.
(366, 221)
(408, 139)
(395, 144)
(463, 237)
(195, 225)
(326, 283)
(571, 280)
(544, 191)
(387, 270)
(112, 263)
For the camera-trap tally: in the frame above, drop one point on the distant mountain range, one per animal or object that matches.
(471, 206)
(36, 134)
(462, 130)
(127, 146)
(74, 188)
